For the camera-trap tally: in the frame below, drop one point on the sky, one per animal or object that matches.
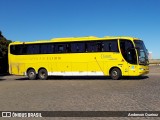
(31, 20)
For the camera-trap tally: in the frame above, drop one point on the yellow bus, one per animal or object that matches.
(79, 56)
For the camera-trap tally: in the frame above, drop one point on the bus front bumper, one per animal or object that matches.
(143, 70)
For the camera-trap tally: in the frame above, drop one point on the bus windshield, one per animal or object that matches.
(142, 52)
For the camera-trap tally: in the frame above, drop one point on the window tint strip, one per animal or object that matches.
(70, 47)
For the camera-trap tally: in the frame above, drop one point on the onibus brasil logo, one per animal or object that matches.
(21, 114)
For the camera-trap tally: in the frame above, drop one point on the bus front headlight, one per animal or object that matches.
(141, 69)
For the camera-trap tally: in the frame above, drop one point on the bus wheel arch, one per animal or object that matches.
(115, 73)
(42, 73)
(31, 73)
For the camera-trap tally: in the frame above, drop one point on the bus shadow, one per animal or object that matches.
(89, 78)
(135, 78)
(2, 79)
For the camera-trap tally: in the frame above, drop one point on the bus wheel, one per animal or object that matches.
(31, 74)
(115, 73)
(42, 74)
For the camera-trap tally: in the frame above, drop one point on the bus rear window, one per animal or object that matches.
(16, 49)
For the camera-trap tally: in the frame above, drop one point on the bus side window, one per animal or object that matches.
(33, 49)
(47, 48)
(89, 47)
(105, 46)
(93, 47)
(113, 45)
(43, 49)
(24, 49)
(36, 49)
(110, 46)
(81, 47)
(29, 49)
(77, 47)
(68, 48)
(98, 47)
(18, 49)
(15, 49)
(74, 48)
(12, 49)
(61, 48)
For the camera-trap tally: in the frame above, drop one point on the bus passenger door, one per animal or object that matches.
(132, 62)
(129, 54)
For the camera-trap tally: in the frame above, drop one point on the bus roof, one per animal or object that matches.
(71, 39)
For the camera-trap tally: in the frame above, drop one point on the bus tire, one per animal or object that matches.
(115, 73)
(43, 74)
(31, 73)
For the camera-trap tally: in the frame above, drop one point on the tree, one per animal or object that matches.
(3, 53)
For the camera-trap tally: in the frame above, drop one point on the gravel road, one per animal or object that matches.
(81, 94)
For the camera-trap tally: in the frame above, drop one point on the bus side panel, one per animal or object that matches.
(64, 68)
(114, 60)
(14, 68)
(79, 68)
(95, 68)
